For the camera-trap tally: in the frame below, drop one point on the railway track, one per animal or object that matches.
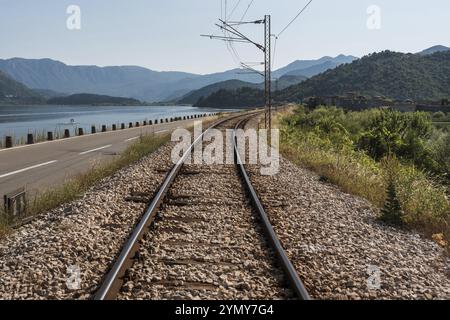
(205, 235)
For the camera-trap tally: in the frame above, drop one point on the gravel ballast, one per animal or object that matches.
(207, 243)
(39, 258)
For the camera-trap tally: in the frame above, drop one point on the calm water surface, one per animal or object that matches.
(18, 121)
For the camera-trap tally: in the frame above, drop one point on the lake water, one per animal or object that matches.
(18, 121)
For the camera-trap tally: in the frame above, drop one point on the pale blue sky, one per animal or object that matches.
(164, 35)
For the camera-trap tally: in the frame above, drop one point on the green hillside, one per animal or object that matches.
(239, 98)
(194, 96)
(282, 83)
(13, 92)
(391, 74)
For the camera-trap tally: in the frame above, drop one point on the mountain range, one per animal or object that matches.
(289, 75)
(37, 80)
(54, 78)
(310, 68)
(421, 76)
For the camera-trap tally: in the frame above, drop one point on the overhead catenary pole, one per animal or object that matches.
(231, 34)
(267, 73)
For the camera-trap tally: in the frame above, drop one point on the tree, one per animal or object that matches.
(392, 211)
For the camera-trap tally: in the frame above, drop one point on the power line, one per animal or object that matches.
(234, 9)
(236, 32)
(232, 34)
(246, 10)
(226, 34)
(227, 38)
(292, 21)
(226, 9)
(230, 43)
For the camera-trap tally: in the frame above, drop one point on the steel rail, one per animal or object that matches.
(114, 279)
(291, 274)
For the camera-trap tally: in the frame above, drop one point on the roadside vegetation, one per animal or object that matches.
(398, 161)
(441, 120)
(440, 116)
(76, 187)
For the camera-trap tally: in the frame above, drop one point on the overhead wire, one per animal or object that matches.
(230, 45)
(225, 16)
(246, 10)
(285, 28)
(295, 18)
(234, 9)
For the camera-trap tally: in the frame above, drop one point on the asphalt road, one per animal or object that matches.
(43, 165)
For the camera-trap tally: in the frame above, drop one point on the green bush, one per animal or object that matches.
(395, 176)
(392, 212)
(401, 134)
(439, 145)
(438, 115)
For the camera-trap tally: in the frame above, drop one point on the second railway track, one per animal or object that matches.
(204, 236)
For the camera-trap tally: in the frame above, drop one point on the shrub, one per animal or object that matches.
(408, 194)
(392, 212)
(401, 134)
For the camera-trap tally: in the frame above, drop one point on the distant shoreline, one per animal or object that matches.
(94, 105)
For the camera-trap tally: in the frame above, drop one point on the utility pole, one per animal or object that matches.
(231, 34)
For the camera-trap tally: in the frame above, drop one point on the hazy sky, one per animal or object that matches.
(164, 34)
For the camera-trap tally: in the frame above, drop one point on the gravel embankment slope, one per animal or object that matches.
(333, 238)
(87, 233)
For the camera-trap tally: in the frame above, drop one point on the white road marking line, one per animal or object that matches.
(26, 169)
(131, 139)
(96, 149)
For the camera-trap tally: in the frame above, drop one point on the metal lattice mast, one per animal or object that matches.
(267, 73)
(232, 34)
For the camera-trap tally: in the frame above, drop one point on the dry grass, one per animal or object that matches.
(77, 186)
(424, 201)
(355, 174)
